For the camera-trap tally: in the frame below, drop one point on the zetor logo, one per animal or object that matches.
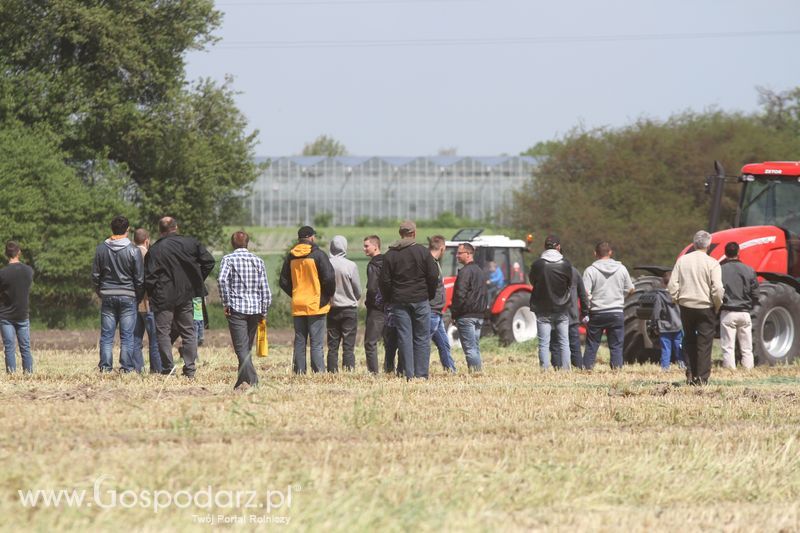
(773, 171)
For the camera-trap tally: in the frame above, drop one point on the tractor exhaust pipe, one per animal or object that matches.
(715, 185)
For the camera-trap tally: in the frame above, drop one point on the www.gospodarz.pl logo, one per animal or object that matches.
(104, 496)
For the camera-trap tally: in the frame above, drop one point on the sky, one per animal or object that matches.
(490, 77)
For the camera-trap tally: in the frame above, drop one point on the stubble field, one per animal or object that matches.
(512, 448)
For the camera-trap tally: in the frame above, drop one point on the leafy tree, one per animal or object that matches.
(640, 186)
(781, 109)
(107, 79)
(194, 160)
(325, 145)
(55, 218)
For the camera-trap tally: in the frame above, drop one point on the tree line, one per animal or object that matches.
(97, 118)
(641, 186)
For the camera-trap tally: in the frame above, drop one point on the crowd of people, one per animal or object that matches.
(695, 293)
(159, 290)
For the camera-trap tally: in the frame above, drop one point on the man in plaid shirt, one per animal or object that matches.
(246, 297)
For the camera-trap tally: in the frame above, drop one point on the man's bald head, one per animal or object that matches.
(167, 225)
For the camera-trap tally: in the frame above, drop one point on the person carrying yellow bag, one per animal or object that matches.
(262, 344)
(246, 298)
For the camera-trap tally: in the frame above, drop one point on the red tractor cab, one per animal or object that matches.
(767, 229)
(503, 260)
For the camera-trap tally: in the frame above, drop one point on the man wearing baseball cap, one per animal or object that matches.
(308, 278)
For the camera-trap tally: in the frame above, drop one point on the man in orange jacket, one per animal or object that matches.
(308, 278)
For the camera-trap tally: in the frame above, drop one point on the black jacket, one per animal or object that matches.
(437, 302)
(741, 286)
(409, 273)
(578, 294)
(551, 277)
(374, 300)
(469, 294)
(117, 269)
(175, 270)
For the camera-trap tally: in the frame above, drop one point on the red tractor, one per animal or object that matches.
(509, 314)
(767, 229)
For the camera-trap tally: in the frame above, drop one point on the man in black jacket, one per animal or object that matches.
(577, 314)
(408, 281)
(551, 277)
(373, 329)
(741, 293)
(176, 268)
(118, 279)
(469, 305)
(436, 245)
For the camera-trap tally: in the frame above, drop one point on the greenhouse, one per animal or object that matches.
(292, 191)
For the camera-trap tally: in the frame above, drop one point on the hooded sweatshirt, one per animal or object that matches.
(607, 283)
(118, 269)
(551, 277)
(348, 283)
(409, 273)
(308, 278)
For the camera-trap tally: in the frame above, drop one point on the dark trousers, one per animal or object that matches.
(613, 324)
(391, 352)
(182, 317)
(698, 336)
(243, 330)
(575, 355)
(373, 331)
(342, 325)
(413, 322)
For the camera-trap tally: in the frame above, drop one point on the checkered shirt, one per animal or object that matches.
(243, 283)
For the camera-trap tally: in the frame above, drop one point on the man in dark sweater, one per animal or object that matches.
(118, 279)
(469, 305)
(408, 282)
(578, 312)
(176, 268)
(373, 329)
(436, 245)
(741, 293)
(15, 287)
(551, 277)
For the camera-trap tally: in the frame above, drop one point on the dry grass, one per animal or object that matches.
(511, 449)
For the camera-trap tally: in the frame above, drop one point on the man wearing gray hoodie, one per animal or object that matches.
(607, 284)
(343, 316)
(118, 279)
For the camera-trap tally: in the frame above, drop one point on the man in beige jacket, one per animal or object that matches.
(696, 286)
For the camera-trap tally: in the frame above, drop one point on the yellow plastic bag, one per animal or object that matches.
(262, 344)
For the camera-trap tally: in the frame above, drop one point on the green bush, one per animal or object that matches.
(57, 218)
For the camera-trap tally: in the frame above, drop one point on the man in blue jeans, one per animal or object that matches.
(146, 320)
(607, 283)
(436, 245)
(469, 305)
(551, 277)
(118, 279)
(15, 286)
(408, 283)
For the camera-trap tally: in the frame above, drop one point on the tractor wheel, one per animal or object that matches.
(776, 324)
(516, 322)
(638, 347)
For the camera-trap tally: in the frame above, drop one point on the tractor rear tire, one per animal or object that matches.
(776, 324)
(635, 349)
(516, 322)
